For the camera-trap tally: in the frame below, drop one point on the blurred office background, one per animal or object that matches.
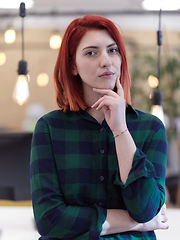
(45, 19)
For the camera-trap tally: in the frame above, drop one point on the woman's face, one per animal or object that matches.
(98, 61)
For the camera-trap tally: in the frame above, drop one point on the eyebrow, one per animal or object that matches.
(95, 47)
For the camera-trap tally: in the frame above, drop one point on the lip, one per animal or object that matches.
(107, 74)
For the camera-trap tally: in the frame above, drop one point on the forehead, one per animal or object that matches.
(96, 38)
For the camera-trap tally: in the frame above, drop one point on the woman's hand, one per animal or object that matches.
(114, 106)
(119, 220)
(158, 222)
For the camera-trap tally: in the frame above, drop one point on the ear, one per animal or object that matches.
(74, 71)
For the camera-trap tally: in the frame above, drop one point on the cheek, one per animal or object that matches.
(119, 67)
(120, 70)
(85, 69)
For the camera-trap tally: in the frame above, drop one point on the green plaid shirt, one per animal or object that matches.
(75, 175)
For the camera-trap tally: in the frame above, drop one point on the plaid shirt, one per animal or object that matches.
(75, 175)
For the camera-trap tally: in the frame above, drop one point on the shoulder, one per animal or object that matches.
(57, 118)
(57, 114)
(144, 121)
(149, 118)
(53, 114)
(48, 117)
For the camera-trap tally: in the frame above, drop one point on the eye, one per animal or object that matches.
(113, 50)
(90, 53)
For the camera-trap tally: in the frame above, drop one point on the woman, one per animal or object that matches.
(97, 165)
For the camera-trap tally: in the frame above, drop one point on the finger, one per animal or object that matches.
(163, 210)
(105, 92)
(164, 205)
(163, 218)
(164, 226)
(120, 91)
(97, 102)
(102, 102)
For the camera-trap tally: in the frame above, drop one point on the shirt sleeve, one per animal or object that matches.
(54, 218)
(144, 190)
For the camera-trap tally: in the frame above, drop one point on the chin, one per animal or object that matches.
(110, 87)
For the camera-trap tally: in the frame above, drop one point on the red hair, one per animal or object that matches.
(68, 88)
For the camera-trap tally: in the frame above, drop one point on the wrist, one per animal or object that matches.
(138, 227)
(118, 133)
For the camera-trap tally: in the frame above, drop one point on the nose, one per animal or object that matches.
(105, 60)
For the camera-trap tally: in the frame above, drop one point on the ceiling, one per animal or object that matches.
(59, 13)
(85, 5)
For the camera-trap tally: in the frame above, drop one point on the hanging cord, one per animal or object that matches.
(157, 95)
(22, 13)
(159, 41)
(22, 34)
(22, 65)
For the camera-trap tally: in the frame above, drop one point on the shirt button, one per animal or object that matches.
(102, 151)
(102, 130)
(101, 178)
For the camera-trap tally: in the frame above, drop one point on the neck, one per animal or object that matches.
(90, 98)
(98, 115)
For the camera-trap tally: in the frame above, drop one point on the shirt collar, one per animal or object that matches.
(131, 111)
(88, 117)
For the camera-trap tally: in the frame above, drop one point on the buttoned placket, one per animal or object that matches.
(102, 153)
(102, 162)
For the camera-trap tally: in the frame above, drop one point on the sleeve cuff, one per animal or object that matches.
(141, 167)
(102, 213)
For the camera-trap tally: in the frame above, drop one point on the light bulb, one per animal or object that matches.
(55, 41)
(153, 81)
(156, 5)
(10, 36)
(157, 110)
(21, 90)
(14, 4)
(2, 58)
(42, 79)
